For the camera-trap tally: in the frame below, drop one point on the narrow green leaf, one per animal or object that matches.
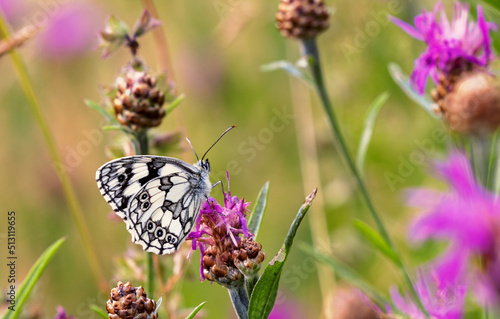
(169, 108)
(32, 278)
(102, 111)
(373, 111)
(494, 4)
(258, 210)
(290, 68)
(196, 310)
(374, 238)
(402, 81)
(347, 274)
(101, 313)
(266, 289)
(108, 128)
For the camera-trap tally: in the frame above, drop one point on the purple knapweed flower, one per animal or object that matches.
(225, 243)
(70, 31)
(61, 314)
(452, 47)
(468, 216)
(440, 301)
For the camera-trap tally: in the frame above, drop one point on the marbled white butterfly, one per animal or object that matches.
(158, 197)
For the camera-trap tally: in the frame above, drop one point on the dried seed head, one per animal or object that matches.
(127, 302)
(138, 102)
(472, 105)
(249, 257)
(302, 18)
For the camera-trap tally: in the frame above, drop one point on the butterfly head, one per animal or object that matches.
(205, 165)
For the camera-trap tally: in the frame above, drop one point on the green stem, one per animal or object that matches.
(239, 299)
(142, 148)
(68, 190)
(310, 50)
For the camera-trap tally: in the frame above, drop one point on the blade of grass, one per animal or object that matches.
(258, 210)
(196, 310)
(101, 313)
(68, 190)
(373, 111)
(347, 274)
(374, 238)
(265, 291)
(402, 81)
(32, 278)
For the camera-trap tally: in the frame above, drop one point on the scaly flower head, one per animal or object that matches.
(217, 235)
(468, 217)
(452, 48)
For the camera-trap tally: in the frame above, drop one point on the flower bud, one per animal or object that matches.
(138, 103)
(473, 104)
(128, 302)
(301, 19)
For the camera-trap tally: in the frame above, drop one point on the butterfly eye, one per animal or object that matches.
(143, 196)
(121, 178)
(150, 226)
(145, 205)
(160, 232)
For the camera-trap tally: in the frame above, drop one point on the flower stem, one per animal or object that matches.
(68, 190)
(310, 50)
(250, 283)
(142, 148)
(239, 298)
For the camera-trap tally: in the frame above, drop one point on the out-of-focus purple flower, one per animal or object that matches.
(70, 31)
(11, 10)
(61, 314)
(468, 217)
(220, 227)
(441, 301)
(453, 47)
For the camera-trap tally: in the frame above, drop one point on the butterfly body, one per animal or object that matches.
(158, 197)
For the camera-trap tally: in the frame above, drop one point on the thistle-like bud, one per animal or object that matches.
(138, 102)
(248, 259)
(128, 302)
(472, 105)
(301, 19)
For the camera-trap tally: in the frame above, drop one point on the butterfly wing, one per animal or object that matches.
(163, 212)
(157, 197)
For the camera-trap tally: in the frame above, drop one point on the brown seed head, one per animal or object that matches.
(249, 257)
(127, 302)
(136, 92)
(473, 104)
(302, 18)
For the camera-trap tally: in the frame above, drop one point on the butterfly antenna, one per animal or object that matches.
(217, 141)
(191, 145)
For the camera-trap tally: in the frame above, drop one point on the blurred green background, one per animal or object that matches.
(216, 48)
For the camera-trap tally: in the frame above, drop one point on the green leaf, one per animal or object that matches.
(374, 238)
(101, 313)
(494, 4)
(169, 108)
(290, 68)
(101, 110)
(196, 310)
(266, 289)
(368, 129)
(258, 210)
(402, 81)
(108, 128)
(347, 274)
(32, 278)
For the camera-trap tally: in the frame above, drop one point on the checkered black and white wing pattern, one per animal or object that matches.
(158, 197)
